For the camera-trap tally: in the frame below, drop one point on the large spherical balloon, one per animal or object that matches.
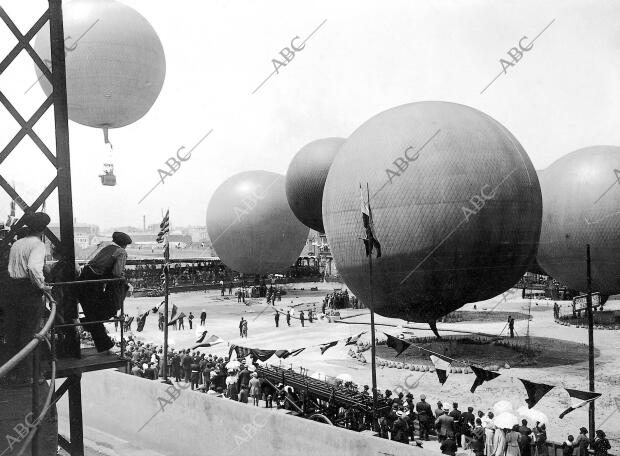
(581, 205)
(456, 206)
(305, 180)
(115, 63)
(251, 226)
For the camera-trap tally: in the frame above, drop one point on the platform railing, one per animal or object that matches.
(47, 334)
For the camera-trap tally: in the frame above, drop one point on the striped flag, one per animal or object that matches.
(162, 237)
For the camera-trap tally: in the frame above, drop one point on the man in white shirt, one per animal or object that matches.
(25, 288)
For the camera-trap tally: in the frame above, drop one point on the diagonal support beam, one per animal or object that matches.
(24, 42)
(26, 129)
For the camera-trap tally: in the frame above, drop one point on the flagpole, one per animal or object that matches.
(372, 334)
(166, 293)
(591, 421)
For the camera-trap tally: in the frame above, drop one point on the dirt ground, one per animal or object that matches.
(555, 342)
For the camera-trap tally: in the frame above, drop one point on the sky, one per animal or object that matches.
(364, 57)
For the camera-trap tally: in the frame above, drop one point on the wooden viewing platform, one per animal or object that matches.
(91, 360)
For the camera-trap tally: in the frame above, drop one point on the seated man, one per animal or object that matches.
(101, 301)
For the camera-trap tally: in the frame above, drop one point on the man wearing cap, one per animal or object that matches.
(425, 415)
(101, 301)
(456, 414)
(24, 289)
(439, 410)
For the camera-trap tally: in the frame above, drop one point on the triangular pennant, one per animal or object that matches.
(535, 391)
(296, 352)
(353, 339)
(482, 375)
(202, 337)
(210, 342)
(397, 344)
(262, 355)
(242, 352)
(578, 399)
(176, 318)
(442, 367)
(327, 346)
(142, 321)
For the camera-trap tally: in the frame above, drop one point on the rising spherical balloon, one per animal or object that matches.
(581, 205)
(305, 180)
(251, 226)
(456, 206)
(115, 63)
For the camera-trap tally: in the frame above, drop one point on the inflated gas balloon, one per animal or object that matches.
(456, 205)
(305, 180)
(534, 266)
(115, 63)
(251, 226)
(581, 205)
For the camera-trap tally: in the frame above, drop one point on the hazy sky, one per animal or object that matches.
(367, 57)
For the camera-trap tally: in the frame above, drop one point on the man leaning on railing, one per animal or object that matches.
(101, 301)
(24, 290)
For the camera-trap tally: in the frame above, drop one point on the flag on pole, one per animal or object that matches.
(370, 242)
(162, 236)
(442, 367)
(578, 400)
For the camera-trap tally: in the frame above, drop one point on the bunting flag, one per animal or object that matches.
(285, 353)
(397, 344)
(141, 321)
(202, 337)
(175, 319)
(155, 309)
(482, 375)
(262, 355)
(579, 399)
(370, 241)
(353, 339)
(175, 309)
(242, 352)
(442, 367)
(535, 391)
(210, 342)
(327, 346)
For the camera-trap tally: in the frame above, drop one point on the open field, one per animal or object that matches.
(554, 342)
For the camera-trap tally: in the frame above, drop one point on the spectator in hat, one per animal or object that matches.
(425, 416)
(101, 301)
(445, 426)
(22, 296)
(400, 430)
(439, 409)
(448, 446)
(600, 444)
(255, 390)
(456, 414)
(582, 442)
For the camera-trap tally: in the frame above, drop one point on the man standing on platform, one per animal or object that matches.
(22, 302)
(101, 301)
